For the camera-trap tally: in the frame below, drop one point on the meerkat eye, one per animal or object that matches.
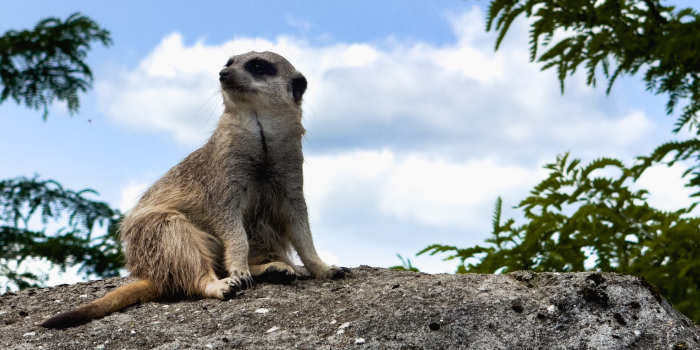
(259, 67)
(229, 62)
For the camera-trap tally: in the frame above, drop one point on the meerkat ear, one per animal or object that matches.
(298, 86)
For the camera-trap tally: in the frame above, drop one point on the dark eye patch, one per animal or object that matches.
(229, 62)
(259, 67)
(298, 85)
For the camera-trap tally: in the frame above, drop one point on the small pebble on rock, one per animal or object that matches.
(342, 327)
(359, 341)
(273, 329)
(262, 311)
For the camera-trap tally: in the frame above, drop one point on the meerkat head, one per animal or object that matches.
(261, 79)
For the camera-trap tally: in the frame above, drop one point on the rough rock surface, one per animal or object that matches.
(372, 308)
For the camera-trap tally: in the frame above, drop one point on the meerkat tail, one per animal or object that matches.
(132, 293)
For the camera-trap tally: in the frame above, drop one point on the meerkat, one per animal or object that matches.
(232, 210)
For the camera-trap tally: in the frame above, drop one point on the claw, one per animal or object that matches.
(230, 294)
(247, 282)
(339, 272)
(242, 279)
(234, 286)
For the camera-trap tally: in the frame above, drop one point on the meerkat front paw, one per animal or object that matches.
(328, 272)
(233, 286)
(335, 272)
(338, 272)
(229, 287)
(225, 288)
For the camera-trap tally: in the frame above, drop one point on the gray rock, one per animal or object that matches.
(386, 309)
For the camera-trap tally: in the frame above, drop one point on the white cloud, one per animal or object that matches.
(665, 186)
(446, 194)
(381, 203)
(130, 195)
(461, 99)
(413, 187)
(356, 171)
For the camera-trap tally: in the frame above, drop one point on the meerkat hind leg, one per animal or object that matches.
(188, 258)
(196, 259)
(276, 272)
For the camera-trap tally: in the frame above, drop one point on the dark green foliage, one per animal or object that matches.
(37, 67)
(616, 37)
(620, 37)
(46, 63)
(87, 233)
(590, 218)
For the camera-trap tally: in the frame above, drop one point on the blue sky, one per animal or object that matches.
(415, 125)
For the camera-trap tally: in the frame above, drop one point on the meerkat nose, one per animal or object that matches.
(224, 74)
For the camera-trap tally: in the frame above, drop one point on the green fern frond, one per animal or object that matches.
(496, 217)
